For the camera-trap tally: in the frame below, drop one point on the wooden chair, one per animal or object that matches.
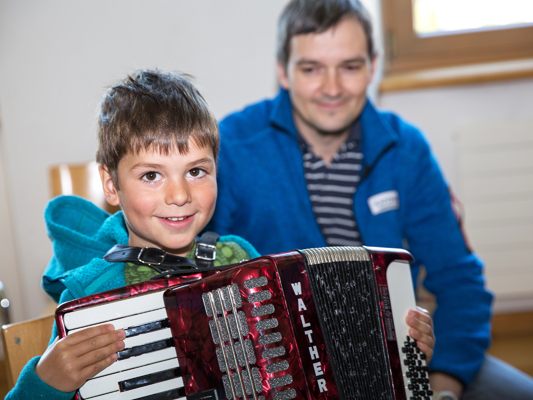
(22, 341)
(81, 179)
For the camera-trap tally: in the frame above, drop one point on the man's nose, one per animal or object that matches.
(331, 85)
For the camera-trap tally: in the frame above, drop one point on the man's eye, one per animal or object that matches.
(308, 70)
(353, 67)
(150, 176)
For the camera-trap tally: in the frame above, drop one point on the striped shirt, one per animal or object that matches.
(332, 189)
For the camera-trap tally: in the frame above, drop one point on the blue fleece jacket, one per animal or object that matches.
(402, 201)
(81, 234)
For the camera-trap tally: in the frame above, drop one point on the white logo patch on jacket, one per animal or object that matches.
(383, 202)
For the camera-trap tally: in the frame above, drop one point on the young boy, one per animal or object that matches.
(157, 152)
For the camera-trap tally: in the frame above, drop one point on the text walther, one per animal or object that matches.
(313, 350)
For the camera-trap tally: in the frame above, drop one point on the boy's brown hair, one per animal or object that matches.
(153, 110)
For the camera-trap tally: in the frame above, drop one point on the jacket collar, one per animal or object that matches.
(80, 233)
(377, 134)
(372, 123)
(281, 115)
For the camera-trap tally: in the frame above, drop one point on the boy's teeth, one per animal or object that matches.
(175, 219)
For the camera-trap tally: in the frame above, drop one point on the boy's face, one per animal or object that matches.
(167, 199)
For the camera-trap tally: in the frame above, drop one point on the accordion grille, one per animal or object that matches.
(347, 301)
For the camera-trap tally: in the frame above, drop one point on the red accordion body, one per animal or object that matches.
(325, 323)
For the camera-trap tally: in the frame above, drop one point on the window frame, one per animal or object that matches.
(405, 51)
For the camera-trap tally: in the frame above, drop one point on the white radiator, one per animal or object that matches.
(495, 175)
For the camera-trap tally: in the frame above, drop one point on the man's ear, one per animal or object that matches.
(373, 67)
(283, 79)
(108, 185)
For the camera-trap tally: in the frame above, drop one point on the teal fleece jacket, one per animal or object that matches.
(81, 233)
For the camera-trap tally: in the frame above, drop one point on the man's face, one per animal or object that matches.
(327, 75)
(167, 199)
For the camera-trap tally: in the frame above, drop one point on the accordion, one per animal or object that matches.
(322, 323)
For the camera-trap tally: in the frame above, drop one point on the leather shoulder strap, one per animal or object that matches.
(206, 249)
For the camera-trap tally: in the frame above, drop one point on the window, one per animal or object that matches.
(423, 34)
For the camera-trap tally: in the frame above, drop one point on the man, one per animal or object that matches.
(319, 165)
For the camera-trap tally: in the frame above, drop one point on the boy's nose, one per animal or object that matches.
(178, 193)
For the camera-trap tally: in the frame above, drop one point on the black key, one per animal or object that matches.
(168, 395)
(145, 348)
(149, 379)
(205, 395)
(149, 327)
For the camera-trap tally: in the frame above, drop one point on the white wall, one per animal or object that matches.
(56, 58)
(482, 135)
(8, 267)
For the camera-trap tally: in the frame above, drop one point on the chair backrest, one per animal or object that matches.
(22, 341)
(81, 179)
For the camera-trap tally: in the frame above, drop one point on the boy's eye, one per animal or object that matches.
(197, 172)
(151, 176)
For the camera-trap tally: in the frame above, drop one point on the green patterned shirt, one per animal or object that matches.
(227, 253)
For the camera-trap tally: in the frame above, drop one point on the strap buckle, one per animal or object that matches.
(151, 256)
(205, 251)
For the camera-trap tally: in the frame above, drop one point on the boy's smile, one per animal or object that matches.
(167, 199)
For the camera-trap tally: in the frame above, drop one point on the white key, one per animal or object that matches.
(114, 310)
(109, 383)
(144, 391)
(139, 361)
(130, 321)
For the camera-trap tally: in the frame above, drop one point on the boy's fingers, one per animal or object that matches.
(420, 336)
(422, 309)
(101, 356)
(67, 366)
(83, 365)
(111, 340)
(421, 314)
(427, 350)
(82, 342)
(421, 330)
(419, 320)
(424, 342)
(95, 368)
(84, 334)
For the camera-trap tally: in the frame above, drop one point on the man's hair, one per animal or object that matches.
(153, 110)
(317, 16)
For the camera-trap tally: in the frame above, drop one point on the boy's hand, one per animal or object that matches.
(69, 362)
(421, 329)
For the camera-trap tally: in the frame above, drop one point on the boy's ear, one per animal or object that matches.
(110, 189)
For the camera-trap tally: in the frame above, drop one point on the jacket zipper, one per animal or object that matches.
(366, 172)
(368, 169)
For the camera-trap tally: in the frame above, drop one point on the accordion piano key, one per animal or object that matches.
(151, 368)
